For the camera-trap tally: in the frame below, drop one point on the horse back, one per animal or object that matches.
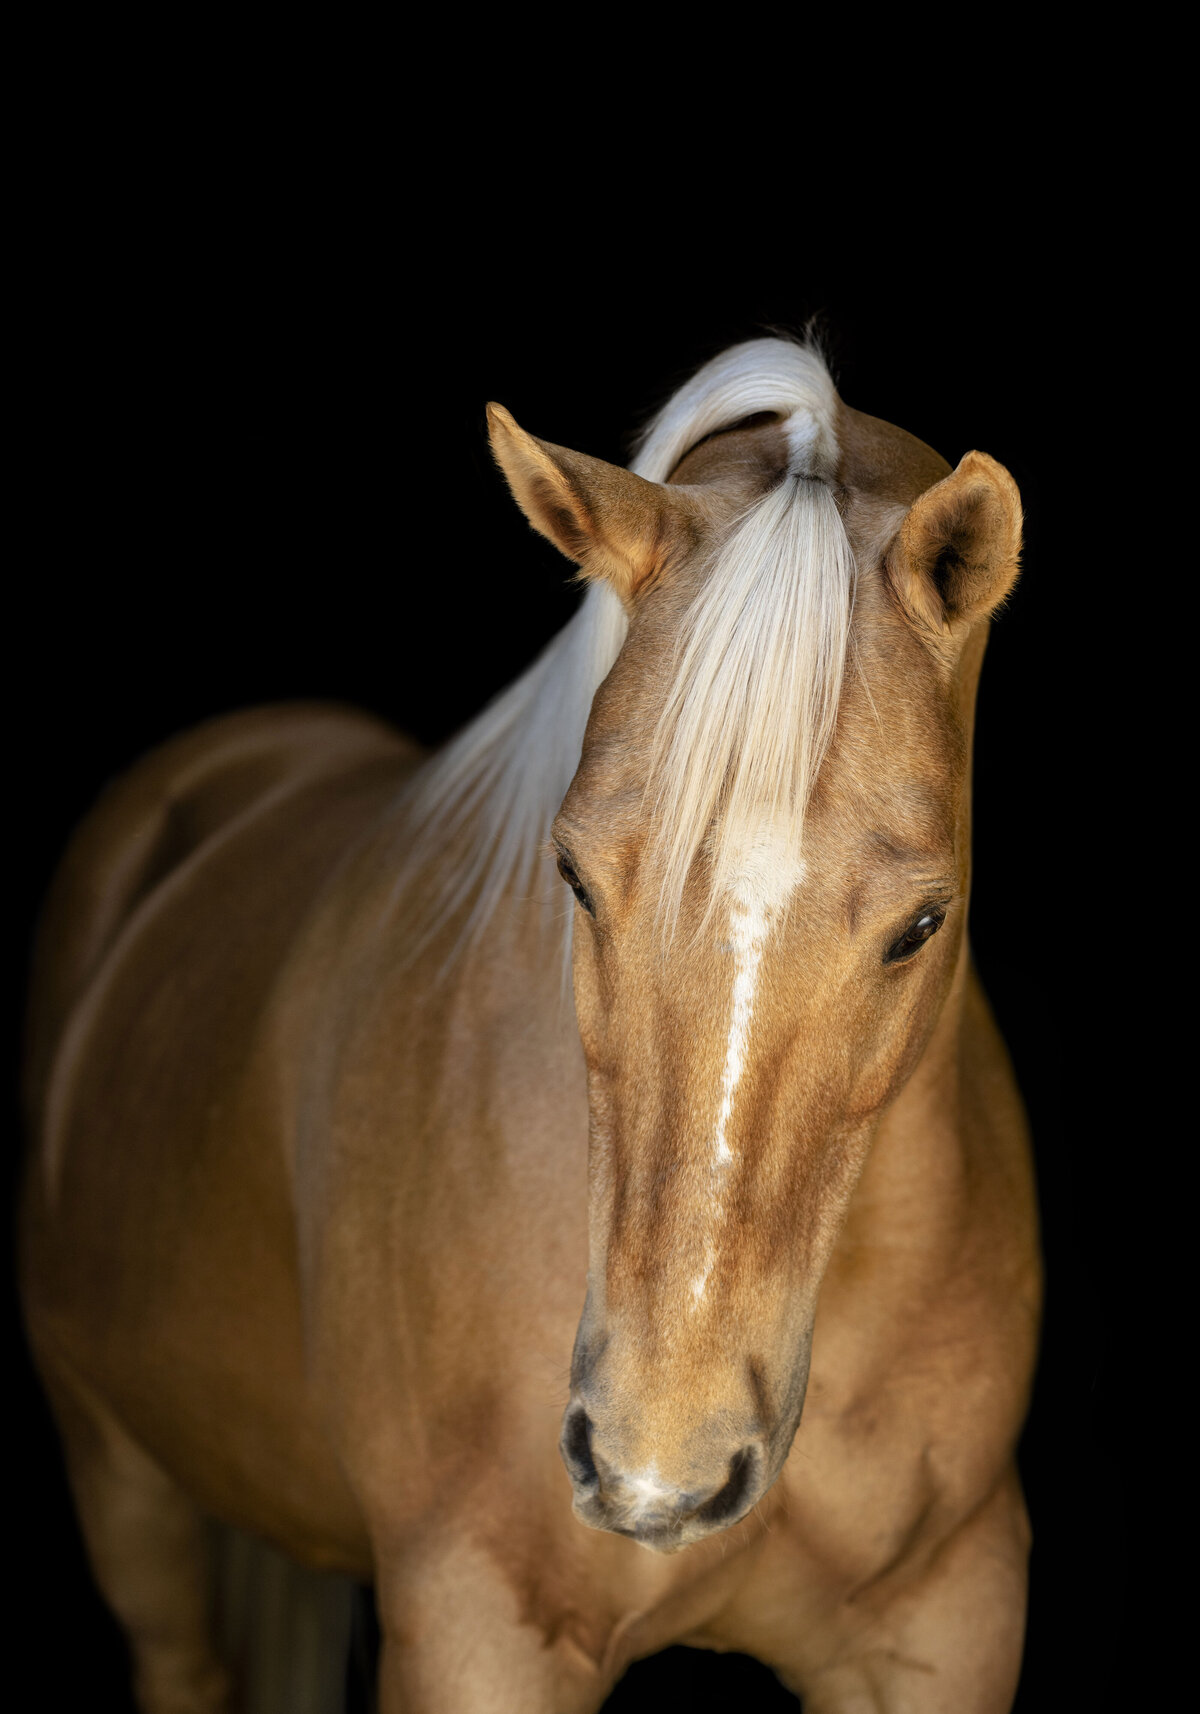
(164, 811)
(158, 1247)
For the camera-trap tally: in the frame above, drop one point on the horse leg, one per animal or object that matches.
(149, 1549)
(949, 1642)
(455, 1642)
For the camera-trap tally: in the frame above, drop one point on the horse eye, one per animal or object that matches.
(915, 936)
(567, 871)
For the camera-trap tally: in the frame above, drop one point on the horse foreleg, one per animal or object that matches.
(947, 1642)
(150, 1554)
(456, 1642)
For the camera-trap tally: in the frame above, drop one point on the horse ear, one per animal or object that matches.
(613, 524)
(957, 553)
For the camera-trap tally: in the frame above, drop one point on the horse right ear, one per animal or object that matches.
(613, 524)
(957, 553)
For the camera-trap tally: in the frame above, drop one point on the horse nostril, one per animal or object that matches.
(729, 1501)
(576, 1446)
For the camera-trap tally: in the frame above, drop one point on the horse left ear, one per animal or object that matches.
(613, 524)
(957, 554)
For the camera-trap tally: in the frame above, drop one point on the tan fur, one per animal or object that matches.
(611, 522)
(956, 555)
(307, 1246)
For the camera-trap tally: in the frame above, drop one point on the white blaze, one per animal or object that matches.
(648, 1492)
(766, 877)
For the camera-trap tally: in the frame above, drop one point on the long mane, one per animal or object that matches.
(757, 678)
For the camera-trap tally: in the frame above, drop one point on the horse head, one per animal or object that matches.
(767, 839)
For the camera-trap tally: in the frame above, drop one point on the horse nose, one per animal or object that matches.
(640, 1504)
(576, 1448)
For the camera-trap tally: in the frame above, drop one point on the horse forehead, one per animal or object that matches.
(879, 464)
(876, 458)
(769, 869)
(754, 457)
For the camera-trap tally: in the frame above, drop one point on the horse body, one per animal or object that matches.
(315, 1209)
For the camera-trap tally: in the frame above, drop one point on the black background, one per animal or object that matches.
(257, 469)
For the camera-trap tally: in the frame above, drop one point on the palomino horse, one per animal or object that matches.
(327, 1165)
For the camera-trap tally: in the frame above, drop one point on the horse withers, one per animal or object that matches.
(326, 1163)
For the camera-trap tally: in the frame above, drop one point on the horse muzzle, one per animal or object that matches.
(642, 1504)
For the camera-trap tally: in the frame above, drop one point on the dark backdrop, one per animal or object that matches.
(259, 470)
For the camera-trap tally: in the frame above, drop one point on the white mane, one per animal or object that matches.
(757, 680)
(759, 666)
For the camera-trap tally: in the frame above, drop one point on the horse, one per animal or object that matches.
(592, 1261)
